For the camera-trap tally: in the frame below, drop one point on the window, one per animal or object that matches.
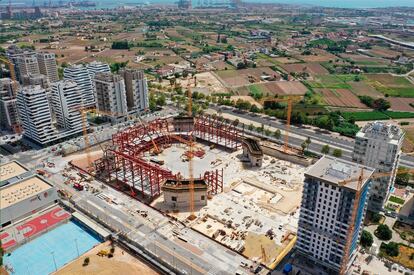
(174, 198)
(203, 198)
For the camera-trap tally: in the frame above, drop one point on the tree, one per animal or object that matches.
(161, 100)
(251, 127)
(337, 153)
(254, 109)
(366, 239)
(376, 217)
(402, 178)
(383, 232)
(391, 249)
(86, 261)
(325, 149)
(308, 142)
(381, 104)
(277, 134)
(303, 145)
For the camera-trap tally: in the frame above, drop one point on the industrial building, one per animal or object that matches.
(136, 90)
(378, 145)
(80, 75)
(22, 193)
(111, 95)
(47, 66)
(332, 211)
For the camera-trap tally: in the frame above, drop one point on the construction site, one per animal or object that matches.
(206, 173)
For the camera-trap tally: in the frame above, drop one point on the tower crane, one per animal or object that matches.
(359, 180)
(290, 100)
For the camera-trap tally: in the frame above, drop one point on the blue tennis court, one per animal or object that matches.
(51, 250)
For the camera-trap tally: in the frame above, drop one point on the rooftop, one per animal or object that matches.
(14, 193)
(10, 170)
(335, 171)
(379, 129)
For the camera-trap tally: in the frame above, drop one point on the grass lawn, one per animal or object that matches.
(396, 200)
(255, 90)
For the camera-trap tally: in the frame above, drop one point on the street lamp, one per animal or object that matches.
(77, 248)
(54, 260)
(191, 266)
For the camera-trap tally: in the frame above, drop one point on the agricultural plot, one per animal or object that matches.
(388, 84)
(340, 97)
(377, 115)
(318, 56)
(237, 78)
(364, 60)
(330, 82)
(361, 116)
(311, 68)
(401, 104)
(383, 52)
(362, 88)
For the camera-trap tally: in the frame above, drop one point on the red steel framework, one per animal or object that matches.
(123, 166)
(218, 130)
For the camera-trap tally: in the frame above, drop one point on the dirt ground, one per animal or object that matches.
(253, 248)
(401, 104)
(207, 83)
(246, 98)
(121, 263)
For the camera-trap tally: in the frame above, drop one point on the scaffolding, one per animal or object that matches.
(124, 167)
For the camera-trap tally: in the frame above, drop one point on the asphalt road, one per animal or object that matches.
(323, 136)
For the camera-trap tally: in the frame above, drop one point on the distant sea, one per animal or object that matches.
(352, 4)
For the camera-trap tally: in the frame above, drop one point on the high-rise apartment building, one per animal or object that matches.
(35, 80)
(80, 75)
(24, 60)
(110, 94)
(66, 101)
(9, 117)
(36, 118)
(47, 66)
(97, 67)
(378, 145)
(136, 90)
(326, 212)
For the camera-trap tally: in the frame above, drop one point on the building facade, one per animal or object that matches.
(136, 90)
(110, 95)
(24, 60)
(80, 75)
(97, 67)
(47, 66)
(66, 101)
(35, 115)
(326, 226)
(35, 79)
(177, 193)
(378, 145)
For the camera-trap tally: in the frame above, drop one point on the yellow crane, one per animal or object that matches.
(290, 100)
(191, 153)
(360, 180)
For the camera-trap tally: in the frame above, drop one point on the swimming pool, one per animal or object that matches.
(51, 250)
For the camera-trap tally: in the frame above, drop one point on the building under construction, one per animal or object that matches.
(125, 164)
